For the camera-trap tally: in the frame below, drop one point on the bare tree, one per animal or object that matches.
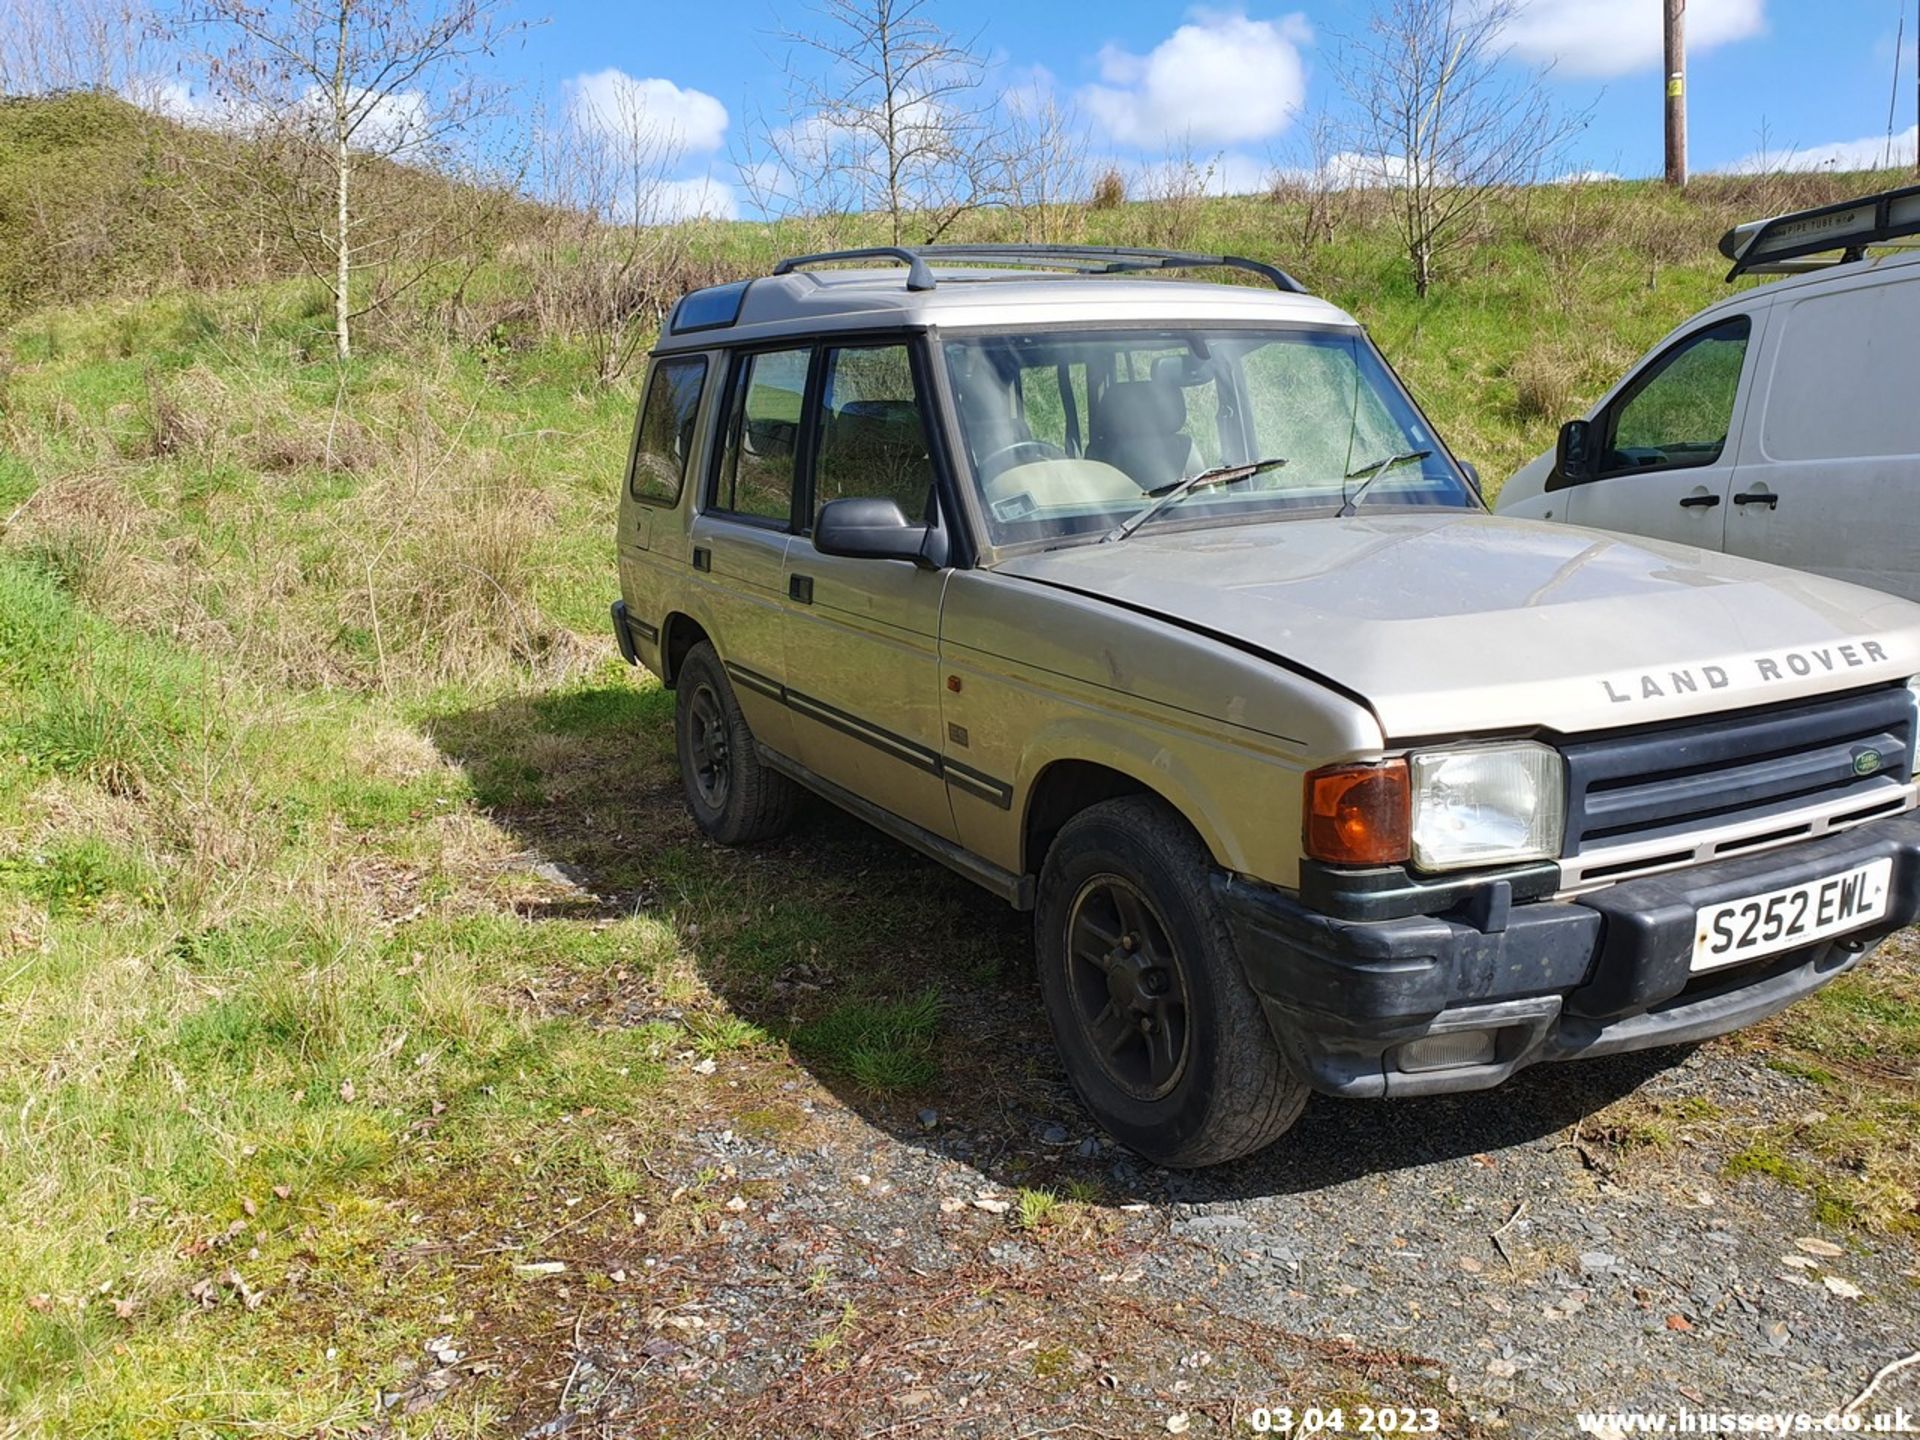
(1319, 184)
(1442, 126)
(333, 88)
(53, 45)
(898, 120)
(1043, 160)
(607, 251)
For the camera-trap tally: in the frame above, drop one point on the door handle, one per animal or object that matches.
(1758, 497)
(800, 587)
(1699, 502)
(702, 558)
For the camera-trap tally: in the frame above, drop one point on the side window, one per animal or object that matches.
(665, 438)
(763, 435)
(1677, 414)
(873, 443)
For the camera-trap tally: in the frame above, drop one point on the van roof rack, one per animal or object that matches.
(1081, 259)
(1784, 244)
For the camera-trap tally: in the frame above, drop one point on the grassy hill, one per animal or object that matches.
(303, 678)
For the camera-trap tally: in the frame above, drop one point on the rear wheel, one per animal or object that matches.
(734, 797)
(1161, 1035)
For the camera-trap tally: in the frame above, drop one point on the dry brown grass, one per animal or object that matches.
(1544, 379)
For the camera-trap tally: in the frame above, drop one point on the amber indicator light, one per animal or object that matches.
(1359, 814)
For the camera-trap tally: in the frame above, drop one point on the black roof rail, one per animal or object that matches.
(1850, 226)
(919, 277)
(1085, 259)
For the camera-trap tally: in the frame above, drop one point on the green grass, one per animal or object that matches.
(303, 667)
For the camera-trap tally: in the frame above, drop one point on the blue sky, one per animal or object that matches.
(1814, 75)
(1811, 79)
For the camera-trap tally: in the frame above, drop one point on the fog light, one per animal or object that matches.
(1447, 1050)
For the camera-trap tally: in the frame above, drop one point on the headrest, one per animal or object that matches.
(1142, 407)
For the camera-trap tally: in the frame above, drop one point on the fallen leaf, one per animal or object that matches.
(992, 1207)
(952, 1204)
(123, 1309)
(535, 1268)
(1800, 1262)
(1177, 1423)
(347, 1092)
(246, 1204)
(283, 1192)
(705, 1067)
(1679, 1322)
(1845, 1289)
(737, 1204)
(1815, 1246)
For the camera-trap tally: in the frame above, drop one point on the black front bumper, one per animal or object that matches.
(1604, 973)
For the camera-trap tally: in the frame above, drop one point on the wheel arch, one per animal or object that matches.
(679, 633)
(1065, 787)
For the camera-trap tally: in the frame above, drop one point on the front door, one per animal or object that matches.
(1666, 442)
(863, 664)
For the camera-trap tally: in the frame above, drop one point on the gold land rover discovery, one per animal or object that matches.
(1157, 608)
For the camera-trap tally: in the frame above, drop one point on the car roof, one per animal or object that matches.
(810, 301)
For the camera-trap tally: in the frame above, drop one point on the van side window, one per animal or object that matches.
(763, 435)
(873, 441)
(665, 436)
(1677, 413)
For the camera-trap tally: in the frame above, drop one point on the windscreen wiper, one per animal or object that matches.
(1180, 489)
(1373, 473)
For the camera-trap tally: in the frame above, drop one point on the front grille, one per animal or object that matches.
(1732, 770)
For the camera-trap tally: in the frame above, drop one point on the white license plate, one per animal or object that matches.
(1746, 929)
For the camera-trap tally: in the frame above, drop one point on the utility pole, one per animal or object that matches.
(1676, 36)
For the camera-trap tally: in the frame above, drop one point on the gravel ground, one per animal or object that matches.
(1489, 1258)
(816, 1260)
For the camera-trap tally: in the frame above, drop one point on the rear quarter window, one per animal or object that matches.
(664, 442)
(1845, 378)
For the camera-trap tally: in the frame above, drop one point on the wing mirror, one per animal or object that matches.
(870, 530)
(1573, 458)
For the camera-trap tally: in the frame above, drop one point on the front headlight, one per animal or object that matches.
(1487, 805)
(1914, 686)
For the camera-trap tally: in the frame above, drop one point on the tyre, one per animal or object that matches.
(1160, 1033)
(735, 798)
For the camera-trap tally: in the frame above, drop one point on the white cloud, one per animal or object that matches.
(1871, 153)
(1585, 177)
(391, 125)
(1219, 79)
(1589, 37)
(613, 101)
(700, 198)
(1349, 170)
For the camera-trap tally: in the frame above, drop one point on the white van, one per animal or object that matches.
(1781, 424)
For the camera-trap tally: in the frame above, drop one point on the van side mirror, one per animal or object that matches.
(1573, 458)
(869, 530)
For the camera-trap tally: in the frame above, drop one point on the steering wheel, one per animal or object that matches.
(1047, 452)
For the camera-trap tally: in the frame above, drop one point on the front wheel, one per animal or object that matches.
(1160, 1033)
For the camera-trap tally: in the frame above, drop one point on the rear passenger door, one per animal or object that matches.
(1829, 476)
(1666, 441)
(741, 537)
(863, 666)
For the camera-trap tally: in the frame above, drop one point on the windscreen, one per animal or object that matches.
(1070, 432)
